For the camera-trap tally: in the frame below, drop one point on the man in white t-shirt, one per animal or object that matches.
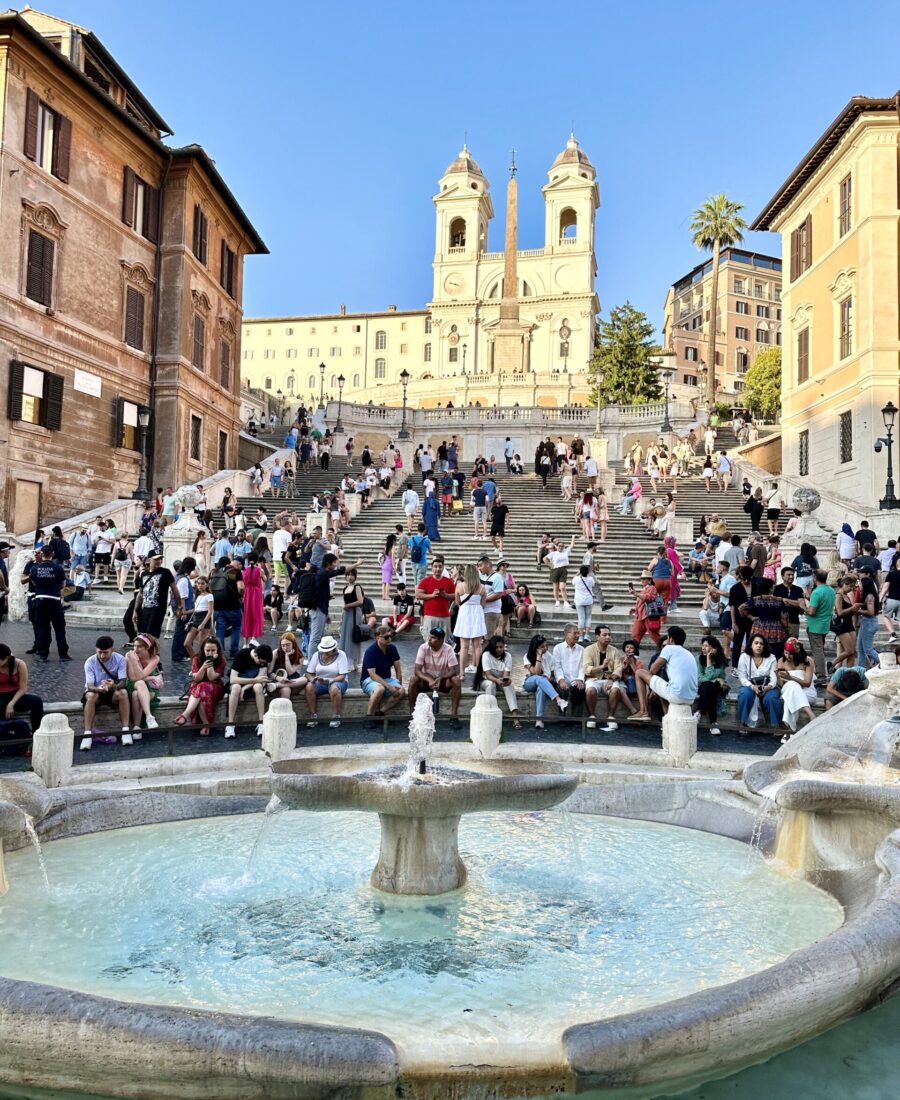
(276, 477)
(410, 502)
(681, 670)
(426, 462)
(281, 540)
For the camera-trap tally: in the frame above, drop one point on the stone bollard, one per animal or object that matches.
(353, 503)
(679, 734)
(887, 659)
(51, 749)
(314, 520)
(279, 737)
(485, 724)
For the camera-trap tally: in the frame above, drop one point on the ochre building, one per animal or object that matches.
(502, 327)
(121, 271)
(839, 221)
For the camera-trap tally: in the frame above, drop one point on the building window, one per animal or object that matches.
(738, 285)
(225, 365)
(691, 355)
(403, 326)
(380, 368)
(126, 433)
(247, 354)
(696, 322)
(196, 428)
(778, 338)
(140, 205)
(39, 272)
(845, 200)
(34, 396)
(290, 353)
(380, 340)
(742, 333)
(426, 356)
(311, 383)
(357, 328)
(357, 350)
(356, 381)
(289, 383)
(762, 336)
(762, 311)
(223, 450)
(199, 244)
(458, 233)
(568, 225)
(802, 355)
(227, 268)
(312, 352)
(312, 330)
(741, 361)
(404, 348)
(135, 303)
(690, 379)
(801, 248)
(198, 354)
(48, 137)
(334, 352)
(427, 326)
(267, 383)
(846, 327)
(269, 353)
(845, 437)
(759, 290)
(454, 355)
(742, 307)
(289, 332)
(803, 454)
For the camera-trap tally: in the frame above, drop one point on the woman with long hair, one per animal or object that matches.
(772, 568)
(537, 679)
(494, 674)
(586, 513)
(200, 551)
(206, 684)
(470, 626)
(526, 608)
(843, 624)
(867, 622)
(144, 681)
(712, 688)
(677, 571)
(14, 695)
(387, 565)
(796, 677)
(287, 666)
(601, 507)
(253, 624)
(805, 564)
(351, 618)
(201, 620)
(759, 685)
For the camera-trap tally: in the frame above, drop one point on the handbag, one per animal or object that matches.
(361, 633)
(457, 505)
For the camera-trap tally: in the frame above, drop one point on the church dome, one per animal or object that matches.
(465, 162)
(573, 154)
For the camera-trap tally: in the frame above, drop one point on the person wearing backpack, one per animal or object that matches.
(185, 590)
(649, 611)
(315, 593)
(227, 590)
(419, 545)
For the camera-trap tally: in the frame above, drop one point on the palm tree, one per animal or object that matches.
(717, 224)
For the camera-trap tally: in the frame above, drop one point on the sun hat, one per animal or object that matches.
(327, 645)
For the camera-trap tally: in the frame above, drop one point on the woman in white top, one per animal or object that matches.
(537, 679)
(759, 686)
(495, 673)
(584, 601)
(410, 502)
(601, 505)
(653, 470)
(470, 626)
(796, 673)
(256, 479)
(201, 617)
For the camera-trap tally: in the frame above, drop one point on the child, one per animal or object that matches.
(274, 606)
(404, 611)
(316, 503)
(746, 488)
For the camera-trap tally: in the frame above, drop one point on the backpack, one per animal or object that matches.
(306, 592)
(416, 550)
(656, 607)
(219, 587)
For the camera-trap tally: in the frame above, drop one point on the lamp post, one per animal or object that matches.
(322, 388)
(404, 381)
(338, 426)
(464, 349)
(666, 375)
(889, 414)
(143, 417)
(465, 387)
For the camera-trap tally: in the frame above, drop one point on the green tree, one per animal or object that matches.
(762, 384)
(622, 370)
(717, 224)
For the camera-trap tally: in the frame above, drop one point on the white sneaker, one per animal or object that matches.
(562, 704)
(137, 734)
(86, 742)
(313, 721)
(715, 731)
(229, 731)
(696, 716)
(539, 724)
(557, 604)
(591, 723)
(126, 738)
(566, 605)
(470, 668)
(152, 723)
(610, 727)
(259, 730)
(334, 723)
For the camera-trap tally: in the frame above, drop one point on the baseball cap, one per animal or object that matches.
(5, 546)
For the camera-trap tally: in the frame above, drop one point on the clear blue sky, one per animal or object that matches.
(332, 122)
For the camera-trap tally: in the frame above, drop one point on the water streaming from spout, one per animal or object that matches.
(36, 844)
(421, 737)
(274, 806)
(767, 810)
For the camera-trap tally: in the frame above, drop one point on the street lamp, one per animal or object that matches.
(404, 381)
(889, 414)
(667, 378)
(322, 388)
(143, 418)
(465, 349)
(338, 426)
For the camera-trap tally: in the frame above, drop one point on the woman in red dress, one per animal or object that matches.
(253, 625)
(207, 684)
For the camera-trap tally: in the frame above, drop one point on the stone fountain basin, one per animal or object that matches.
(332, 783)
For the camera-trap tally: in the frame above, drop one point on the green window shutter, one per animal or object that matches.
(118, 421)
(53, 396)
(14, 393)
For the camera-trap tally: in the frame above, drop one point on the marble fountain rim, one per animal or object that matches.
(102, 1044)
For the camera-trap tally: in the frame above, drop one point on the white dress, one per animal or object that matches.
(470, 620)
(795, 697)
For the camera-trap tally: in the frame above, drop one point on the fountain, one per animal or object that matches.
(21, 805)
(419, 805)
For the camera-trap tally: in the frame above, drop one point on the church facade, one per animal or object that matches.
(502, 327)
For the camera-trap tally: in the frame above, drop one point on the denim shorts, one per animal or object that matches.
(323, 689)
(369, 685)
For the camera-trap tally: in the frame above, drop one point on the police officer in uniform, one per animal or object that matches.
(45, 578)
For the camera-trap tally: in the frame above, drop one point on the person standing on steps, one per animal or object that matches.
(319, 596)
(185, 589)
(479, 512)
(45, 578)
(499, 514)
(509, 452)
(152, 598)
(470, 624)
(227, 590)
(436, 592)
(558, 558)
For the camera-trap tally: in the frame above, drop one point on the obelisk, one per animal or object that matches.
(509, 334)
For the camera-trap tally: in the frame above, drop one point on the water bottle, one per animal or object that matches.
(436, 701)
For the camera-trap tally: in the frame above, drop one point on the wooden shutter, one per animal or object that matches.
(203, 227)
(807, 233)
(62, 148)
(134, 318)
(803, 355)
(199, 342)
(31, 124)
(223, 264)
(118, 421)
(225, 365)
(14, 393)
(128, 197)
(39, 275)
(151, 214)
(199, 234)
(195, 242)
(53, 396)
(795, 256)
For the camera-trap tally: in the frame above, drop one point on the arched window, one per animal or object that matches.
(568, 225)
(356, 381)
(458, 233)
(333, 382)
(380, 340)
(427, 356)
(268, 383)
(527, 292)
(289, 383)
(427, 325)
(311, 383)
(496, 290)
(380, 368)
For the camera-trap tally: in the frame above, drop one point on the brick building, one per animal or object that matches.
(121, 271)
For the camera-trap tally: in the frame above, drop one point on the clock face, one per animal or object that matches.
(564, 333)
(454, 283)
(453, 339)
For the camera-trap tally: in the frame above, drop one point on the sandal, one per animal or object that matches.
(181, 720)
(517, 725)
(204, 732)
